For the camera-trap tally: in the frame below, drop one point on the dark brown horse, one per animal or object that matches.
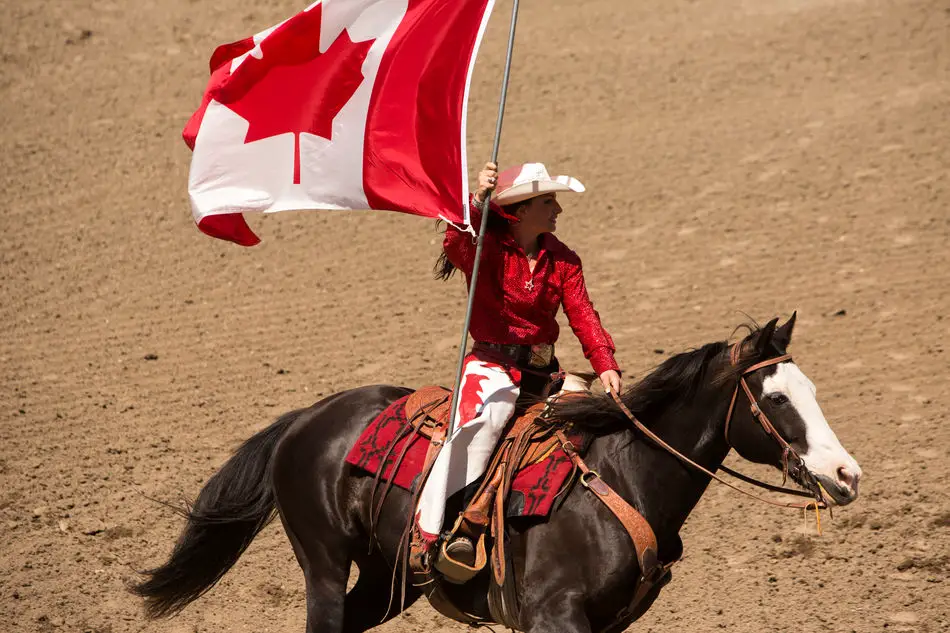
(295, 468)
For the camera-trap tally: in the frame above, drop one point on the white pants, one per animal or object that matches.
(486, 401)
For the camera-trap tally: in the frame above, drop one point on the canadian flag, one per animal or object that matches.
(350, 104)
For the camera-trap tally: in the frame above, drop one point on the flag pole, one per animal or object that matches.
(453, 422)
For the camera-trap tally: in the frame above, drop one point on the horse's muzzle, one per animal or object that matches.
(842, 491)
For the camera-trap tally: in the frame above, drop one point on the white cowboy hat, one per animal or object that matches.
(529, 180)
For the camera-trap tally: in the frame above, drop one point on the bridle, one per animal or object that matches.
(763, 420)
(759, 415)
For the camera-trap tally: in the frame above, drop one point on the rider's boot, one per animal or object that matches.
(461, 549)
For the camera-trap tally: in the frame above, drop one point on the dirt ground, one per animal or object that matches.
(742, 156)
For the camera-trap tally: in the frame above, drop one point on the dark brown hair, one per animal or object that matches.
(498, 224)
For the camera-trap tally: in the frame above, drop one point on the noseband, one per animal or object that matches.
(767, 426)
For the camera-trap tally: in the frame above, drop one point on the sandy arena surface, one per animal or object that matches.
(757, 156)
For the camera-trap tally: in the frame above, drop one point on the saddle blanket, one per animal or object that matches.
(534, 490)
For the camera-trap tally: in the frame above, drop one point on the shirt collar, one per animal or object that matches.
(546, 242)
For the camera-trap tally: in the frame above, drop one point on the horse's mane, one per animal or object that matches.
(678, 378)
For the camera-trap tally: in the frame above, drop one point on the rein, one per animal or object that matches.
(817, 503)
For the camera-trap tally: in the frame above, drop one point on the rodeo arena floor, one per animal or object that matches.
(742, 157)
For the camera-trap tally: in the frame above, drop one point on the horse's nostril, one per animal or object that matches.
(845, 477)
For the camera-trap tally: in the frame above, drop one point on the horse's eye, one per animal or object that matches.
(778, 399)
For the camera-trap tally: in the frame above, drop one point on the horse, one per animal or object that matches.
(575, 572)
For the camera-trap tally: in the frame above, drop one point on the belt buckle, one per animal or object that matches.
(541, 355)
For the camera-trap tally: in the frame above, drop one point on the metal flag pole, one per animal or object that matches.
(481, 231)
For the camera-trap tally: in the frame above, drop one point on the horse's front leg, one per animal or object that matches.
(577, 569)
(555, 612)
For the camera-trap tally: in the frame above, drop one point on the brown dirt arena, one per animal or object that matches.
(755, 156)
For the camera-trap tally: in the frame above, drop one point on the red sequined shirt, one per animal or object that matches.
(516, 306)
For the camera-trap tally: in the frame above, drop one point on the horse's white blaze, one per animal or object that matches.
(824, 455)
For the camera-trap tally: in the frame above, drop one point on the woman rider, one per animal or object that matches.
(526, 274)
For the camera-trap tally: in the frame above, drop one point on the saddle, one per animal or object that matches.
(527, 440)
(428, 408)
(524, 443)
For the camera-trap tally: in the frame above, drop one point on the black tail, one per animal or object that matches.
(235, 504)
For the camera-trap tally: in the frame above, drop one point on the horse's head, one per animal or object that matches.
(784, 394)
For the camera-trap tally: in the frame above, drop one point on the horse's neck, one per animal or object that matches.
(659, 484)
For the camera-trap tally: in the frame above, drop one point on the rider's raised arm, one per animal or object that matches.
(583, 318)
(459, 246)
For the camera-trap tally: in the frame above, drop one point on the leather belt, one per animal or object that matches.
(538, 356)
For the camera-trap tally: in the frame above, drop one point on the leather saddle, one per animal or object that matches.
(526, 441)
(428, 409)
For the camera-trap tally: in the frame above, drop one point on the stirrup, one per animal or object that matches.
(459, 559)
(461, 549)
(462, 554)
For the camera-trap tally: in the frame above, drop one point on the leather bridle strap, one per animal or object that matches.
(760, 417)
(765, 423)
(686, 460)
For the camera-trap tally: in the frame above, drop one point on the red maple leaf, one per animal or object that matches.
(470, 398)
(294, 87)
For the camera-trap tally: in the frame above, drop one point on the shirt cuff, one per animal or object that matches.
(602, 359)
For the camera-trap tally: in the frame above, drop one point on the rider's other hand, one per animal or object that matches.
(487, 178)
(611, 381)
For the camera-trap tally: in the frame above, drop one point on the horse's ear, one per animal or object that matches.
(763, 338)
(783, 335)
